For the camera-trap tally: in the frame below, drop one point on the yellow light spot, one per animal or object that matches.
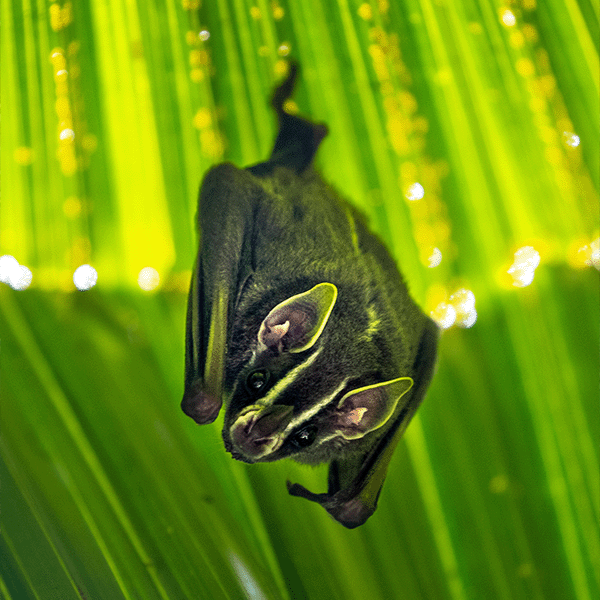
(415, 191)
(281, 68)
(21, 278)
(12, 273)
(499, 484)
(507, 17)
(72, 207)
(148, 279)
(517, 39)
(255, 13)
(444, 315)
(66, 14)
(571, 139)
(75, 71)
(443, 77)
(475, 28)
(365, 12)
(290, 107)
(197, 58)
(278, 13)
(55, 17)
(524, 265)
(424, 235)
(191, 38)
(67, 135)
(62, 88)
(211, 143)
(537, 104)
(202, 118)
(525, 570)
(591, 254)
(73, 48)
(85, 277)
(284, 49)
(58, 60)
(463, 301)
(63, 108)
(23, 156)
(547, 85)
(525, 67)
(61, 75)
(529, 4)
(530, 33)
(434, 258)
(264, 51)
(89, 142)
(57, 54)
(197, 75)
(8, 267)
(68, 166)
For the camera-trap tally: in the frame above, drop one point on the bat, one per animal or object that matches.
(299, 321)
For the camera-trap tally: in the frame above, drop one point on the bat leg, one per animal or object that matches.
(298, 139)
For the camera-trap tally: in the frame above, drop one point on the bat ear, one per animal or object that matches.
(365, 409)
(295, 324)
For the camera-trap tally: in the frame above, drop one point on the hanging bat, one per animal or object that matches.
(299, 320)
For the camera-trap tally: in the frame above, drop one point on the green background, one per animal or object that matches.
(108, 490)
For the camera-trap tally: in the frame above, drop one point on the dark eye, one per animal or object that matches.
(257, 380)
(305, 437)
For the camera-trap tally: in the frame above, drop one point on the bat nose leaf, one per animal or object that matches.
(255, 434)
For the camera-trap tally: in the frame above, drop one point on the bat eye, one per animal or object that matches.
(257, 380)
(305, 437)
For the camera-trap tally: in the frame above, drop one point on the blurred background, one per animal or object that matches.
(469, 134)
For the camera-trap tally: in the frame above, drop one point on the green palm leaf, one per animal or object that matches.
(113, 111)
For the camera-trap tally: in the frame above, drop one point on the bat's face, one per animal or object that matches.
(294, 398)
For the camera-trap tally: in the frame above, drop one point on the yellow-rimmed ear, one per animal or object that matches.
(295, 324)
(365, 409)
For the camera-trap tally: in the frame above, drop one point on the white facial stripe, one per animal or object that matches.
(280, 386)
(326, 439)
(313, 410)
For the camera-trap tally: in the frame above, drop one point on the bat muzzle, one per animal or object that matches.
(258, 432)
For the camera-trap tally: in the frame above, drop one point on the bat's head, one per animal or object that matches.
(307, 392)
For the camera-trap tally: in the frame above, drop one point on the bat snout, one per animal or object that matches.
(259, 433)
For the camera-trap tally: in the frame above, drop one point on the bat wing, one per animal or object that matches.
(228, 198)
(355, 482)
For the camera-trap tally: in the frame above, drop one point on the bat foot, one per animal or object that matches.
(199, 405)
(351, 511)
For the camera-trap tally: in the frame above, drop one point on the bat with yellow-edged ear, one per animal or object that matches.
(300, 323)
